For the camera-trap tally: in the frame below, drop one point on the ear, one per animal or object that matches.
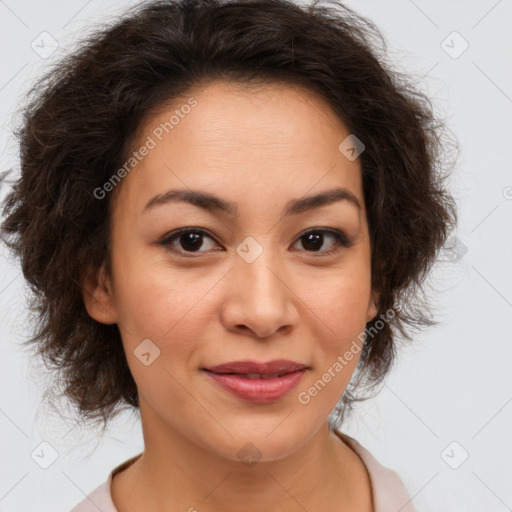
(373, 306)
(97, 295)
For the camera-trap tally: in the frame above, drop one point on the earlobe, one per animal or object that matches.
(372, 307)
(97, 295)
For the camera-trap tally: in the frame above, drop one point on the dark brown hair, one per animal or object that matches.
(81, 119)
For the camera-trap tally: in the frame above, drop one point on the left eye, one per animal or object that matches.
(192, 239)
(315, 239)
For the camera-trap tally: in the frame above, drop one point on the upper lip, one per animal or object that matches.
(278, 366)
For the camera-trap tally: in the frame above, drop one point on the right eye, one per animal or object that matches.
(190, 239)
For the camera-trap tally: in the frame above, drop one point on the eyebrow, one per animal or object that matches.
(212, 203)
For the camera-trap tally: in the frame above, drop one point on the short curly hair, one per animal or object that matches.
(81, 119)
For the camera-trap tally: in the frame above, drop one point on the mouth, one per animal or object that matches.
(252, 376)
(258, 383)
(254, 370)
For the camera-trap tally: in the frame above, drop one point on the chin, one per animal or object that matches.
(263, 443)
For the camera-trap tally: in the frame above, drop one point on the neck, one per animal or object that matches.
(175, 473)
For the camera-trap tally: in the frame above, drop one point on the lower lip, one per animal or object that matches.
(258, 391)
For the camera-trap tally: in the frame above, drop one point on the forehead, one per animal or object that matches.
(227, 138)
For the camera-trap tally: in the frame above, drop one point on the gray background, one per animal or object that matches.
(450, 393)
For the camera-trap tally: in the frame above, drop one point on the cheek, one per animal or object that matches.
(161, 324)
(340, 300)
(172, 309)
(151, 297)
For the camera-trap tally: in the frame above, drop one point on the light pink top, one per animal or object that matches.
(388, 491)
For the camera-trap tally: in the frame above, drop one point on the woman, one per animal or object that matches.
(225, 212)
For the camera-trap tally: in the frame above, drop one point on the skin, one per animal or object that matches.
(260, 148)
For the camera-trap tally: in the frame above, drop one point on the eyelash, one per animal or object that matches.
(340, 240)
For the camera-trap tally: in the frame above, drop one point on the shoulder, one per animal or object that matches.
(101, 497)
(389, 492)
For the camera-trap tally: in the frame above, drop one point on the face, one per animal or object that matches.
(253, 276)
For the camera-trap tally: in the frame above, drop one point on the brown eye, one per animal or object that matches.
(316, 239)
(188, 240)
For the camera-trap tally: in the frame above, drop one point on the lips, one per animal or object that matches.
(258, 383)
(253, 370)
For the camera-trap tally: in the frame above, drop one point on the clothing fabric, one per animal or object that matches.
(388, 491)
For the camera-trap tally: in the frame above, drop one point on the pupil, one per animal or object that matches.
(192, 241)
(313, 238)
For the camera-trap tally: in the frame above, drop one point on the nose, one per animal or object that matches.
(259, 298)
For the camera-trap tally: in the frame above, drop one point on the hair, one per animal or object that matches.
(81, 120)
